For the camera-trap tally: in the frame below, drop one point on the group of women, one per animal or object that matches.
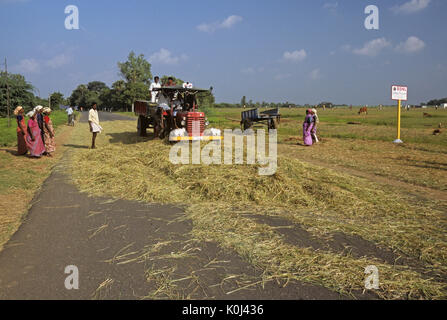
(310, 127)
(36, 136)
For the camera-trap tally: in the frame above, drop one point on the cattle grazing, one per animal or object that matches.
(363, 110)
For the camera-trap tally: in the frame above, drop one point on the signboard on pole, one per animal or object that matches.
(399, 93)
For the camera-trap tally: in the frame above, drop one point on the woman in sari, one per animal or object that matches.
(307, 128)
(50, 145)
(34, 139)
(316, 121)
(21, 131)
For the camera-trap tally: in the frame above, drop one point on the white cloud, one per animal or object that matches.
(282, 76)
(295, 56)
(164, 56)
(226, 24)
(412, 45)
(330, 5)
(251, 70)
(231, 21)
(373, 47)
(248, 71)
(58, 61)
(28, 66)
(411, 6)
(315, 74)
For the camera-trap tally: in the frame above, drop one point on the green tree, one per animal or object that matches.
(96, 86)
(136, 69)
(57, 99)
(177, 81)
(135, 91)
(20, 93)
(243, 101)
(78, 96)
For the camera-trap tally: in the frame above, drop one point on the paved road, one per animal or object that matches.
(106, 116)
(123, 250)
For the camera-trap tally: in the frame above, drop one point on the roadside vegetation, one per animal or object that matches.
(232, 205)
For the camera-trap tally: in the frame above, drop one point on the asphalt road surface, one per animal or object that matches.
(106, 116)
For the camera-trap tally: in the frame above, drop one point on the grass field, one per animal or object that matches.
(353, 200)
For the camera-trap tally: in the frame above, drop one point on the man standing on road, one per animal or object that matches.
(93, 121)
(154, 85)
(70, 115)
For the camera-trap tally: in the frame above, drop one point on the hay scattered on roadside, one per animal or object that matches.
(321, 200)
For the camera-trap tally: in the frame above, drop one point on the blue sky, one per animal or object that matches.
(300, 51)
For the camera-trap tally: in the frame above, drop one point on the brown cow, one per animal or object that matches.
(363, 110)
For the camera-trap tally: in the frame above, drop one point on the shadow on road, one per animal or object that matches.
(129, 137)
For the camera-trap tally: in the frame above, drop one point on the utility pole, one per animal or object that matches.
(7, 93)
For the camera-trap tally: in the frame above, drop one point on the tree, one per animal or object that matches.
(20, 92)
(205, 99)
(177, 81)
(57, 99)
(96, 86)
(136, 69)
(135, 91)
(79, 95)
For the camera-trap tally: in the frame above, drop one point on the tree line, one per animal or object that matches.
(136, 78)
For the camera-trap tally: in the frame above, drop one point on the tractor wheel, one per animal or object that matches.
(141, 126)
(273, 124)
(247, 124)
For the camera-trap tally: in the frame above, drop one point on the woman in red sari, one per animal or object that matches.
(21, 131)
(50, 145)
(33, 138)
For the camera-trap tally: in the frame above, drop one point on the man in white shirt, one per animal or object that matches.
(70, 115)
(155, 84)
(93, 121)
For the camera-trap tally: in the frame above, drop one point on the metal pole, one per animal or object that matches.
(398, 140)
(398, 120)
(7, 93)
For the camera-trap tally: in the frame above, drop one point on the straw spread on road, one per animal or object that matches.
(226, 202)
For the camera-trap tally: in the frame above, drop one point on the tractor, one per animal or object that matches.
(176, 115)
